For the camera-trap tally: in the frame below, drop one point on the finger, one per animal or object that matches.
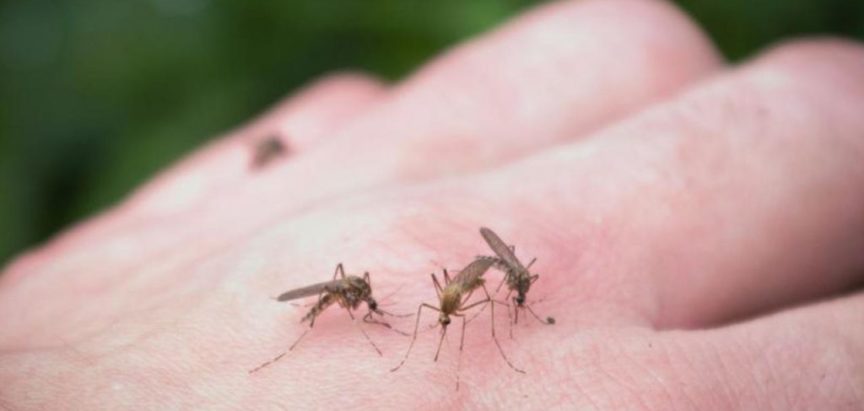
(742, 196)
(739, 197)
(596, 59)
(811, 358)
(587, 58)
(771, 216)
(806, 359)
(559, 72)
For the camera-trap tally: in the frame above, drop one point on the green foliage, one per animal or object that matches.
(97, 95)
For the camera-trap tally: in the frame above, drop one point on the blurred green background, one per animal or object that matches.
(97, 95)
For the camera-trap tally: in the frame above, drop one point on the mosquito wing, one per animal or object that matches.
(473, 271)
(307, 291)
(500, 248)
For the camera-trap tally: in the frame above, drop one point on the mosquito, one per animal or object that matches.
(349, 292)
(516, 275)
(452, 299)
(267, 150)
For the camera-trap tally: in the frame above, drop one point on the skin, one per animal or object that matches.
(698, 230)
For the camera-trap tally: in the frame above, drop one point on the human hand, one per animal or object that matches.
(665, 196)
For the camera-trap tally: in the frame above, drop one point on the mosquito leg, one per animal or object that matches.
(475, 314)
(354, 321)
(497, 343)
(467, 297)
(276, 358)
(414, 338)
(316, 309)
(279, 357)
(371, 320)
(509, 317)
(461, 344)
(382, 312)
(299, 338)
(340, 271)
(531, 263)
(547, 321)
(437, 285)
(503, 280)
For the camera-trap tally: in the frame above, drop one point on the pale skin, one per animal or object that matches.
(697, 229)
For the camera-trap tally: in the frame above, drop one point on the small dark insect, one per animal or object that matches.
(348, 291)
(267, 150)
(452, 299)
(517, 276)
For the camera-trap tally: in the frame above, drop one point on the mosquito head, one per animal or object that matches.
(520, 299)
(373, 305)
(444, 319)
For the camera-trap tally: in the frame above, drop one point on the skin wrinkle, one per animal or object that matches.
(793, 397)
(691, 373)
(676, 376)
(742, 336)
(578, 355)
(847, 349)
(742, 344)
(647, 370)
(667, 384)
(619, 383)
(719, 360)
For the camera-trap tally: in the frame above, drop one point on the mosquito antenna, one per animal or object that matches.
(503, 279)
